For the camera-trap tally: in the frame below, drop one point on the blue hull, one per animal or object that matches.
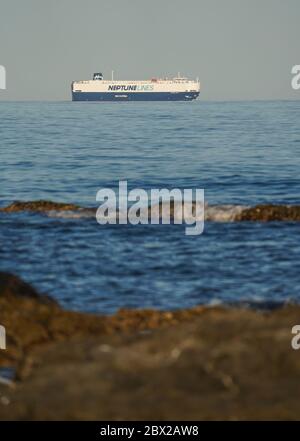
(137, 96)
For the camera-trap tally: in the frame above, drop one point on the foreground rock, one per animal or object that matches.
(196, 364)
(33, 320)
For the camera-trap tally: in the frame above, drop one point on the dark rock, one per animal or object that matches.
(267, 213)
(39, 206)
(11, 285)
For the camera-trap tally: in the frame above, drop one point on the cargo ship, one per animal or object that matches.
(156, 89)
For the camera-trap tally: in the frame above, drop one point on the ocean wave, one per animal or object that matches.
(215, 213)
(71, 214)
(223, 213)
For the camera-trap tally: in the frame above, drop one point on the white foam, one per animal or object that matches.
(69, 214)
(223, 213)
(214, 213)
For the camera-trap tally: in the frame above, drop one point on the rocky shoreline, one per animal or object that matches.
(258, 213)
(202, 363)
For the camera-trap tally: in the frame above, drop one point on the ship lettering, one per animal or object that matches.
(122, 87)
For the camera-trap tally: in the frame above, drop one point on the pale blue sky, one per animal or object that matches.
(240, 49)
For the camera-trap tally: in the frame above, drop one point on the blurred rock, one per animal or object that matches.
(197, 364)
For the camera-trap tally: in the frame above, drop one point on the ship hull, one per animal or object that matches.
(135, 96)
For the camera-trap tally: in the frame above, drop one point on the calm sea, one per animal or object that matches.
(241, 153)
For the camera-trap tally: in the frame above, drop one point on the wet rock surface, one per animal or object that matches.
(267, 213)
(38, 206)
(202, 363)
(258, 213)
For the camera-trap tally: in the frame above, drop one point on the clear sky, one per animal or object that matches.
(240, 49)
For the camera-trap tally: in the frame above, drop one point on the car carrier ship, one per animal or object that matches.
(155, 89)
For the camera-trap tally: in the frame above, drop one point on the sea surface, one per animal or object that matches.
(240, 153)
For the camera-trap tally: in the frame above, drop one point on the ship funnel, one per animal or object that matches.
(98, 76)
